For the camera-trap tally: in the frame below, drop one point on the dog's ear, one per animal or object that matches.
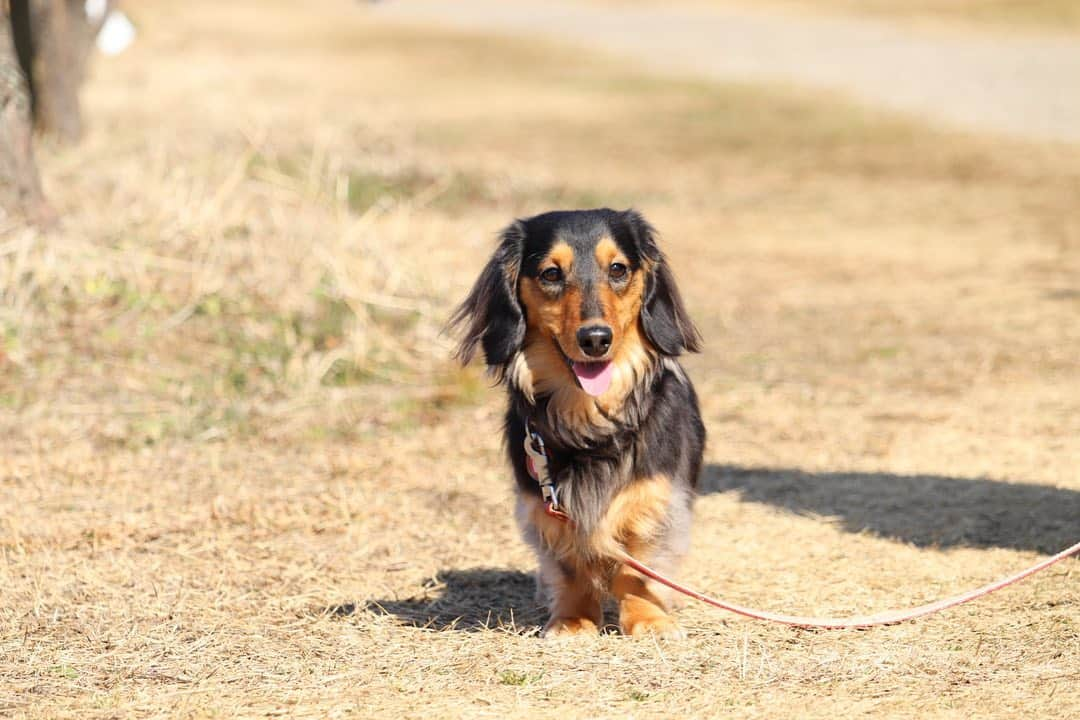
(663, 315)
(491, 313)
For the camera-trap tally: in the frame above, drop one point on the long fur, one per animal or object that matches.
(626, 463)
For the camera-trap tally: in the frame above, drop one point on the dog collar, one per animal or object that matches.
(536, 461)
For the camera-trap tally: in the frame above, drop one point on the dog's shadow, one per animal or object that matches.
(924, 510)
(468, 600)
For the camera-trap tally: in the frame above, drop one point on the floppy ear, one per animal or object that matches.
(491, 313)
(663, 315)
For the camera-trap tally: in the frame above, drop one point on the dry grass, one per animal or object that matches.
(239, 477)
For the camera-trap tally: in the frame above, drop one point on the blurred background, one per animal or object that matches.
(225, 390)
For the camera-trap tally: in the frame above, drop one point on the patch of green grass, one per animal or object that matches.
(260, 342)
(65, 671)
(210, 306)
(883, 352)
(462, 191)
(366, 188)
(452, 193)
(518, 678)
(151, 429)
(9, 338)
(346, 372)
(120, 292)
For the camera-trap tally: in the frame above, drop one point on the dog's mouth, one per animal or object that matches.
(593, 377)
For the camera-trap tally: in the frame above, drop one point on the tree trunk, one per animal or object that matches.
(44, 48)
(20, 187)
(54, 39)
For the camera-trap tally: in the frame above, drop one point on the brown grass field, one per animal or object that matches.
(240, 476)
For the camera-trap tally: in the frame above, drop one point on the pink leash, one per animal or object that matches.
(537, 461)
(885, 618)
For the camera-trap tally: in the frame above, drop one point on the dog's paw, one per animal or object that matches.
(663, 627)
(569, 627)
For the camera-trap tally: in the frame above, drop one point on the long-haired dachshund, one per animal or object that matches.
(577, 313)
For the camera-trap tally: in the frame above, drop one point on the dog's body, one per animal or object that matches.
(579, 315)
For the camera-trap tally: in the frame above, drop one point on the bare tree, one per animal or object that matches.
(54, 39)
(44, 49)
(20, 188)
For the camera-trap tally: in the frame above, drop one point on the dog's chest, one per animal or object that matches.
(630, 520)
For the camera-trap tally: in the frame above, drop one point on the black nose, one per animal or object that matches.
(594, 340)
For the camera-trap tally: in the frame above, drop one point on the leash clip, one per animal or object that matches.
(538, 468)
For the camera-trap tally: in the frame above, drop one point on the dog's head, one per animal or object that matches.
(582, 297)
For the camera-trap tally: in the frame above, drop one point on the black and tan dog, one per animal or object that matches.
(578, 314)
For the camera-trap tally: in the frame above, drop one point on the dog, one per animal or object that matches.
(578, 315)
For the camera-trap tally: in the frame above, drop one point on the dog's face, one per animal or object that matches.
(582, 291)
(577, 298)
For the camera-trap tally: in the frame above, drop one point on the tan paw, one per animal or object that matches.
(659, 626)
(567, 627)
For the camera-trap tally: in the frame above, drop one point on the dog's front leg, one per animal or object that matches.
(642, 607)
(574, 599)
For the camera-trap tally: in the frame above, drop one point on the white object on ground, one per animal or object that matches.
(116, 34)
(95, 9)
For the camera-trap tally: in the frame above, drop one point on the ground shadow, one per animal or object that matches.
(926, 510)
(466, 600)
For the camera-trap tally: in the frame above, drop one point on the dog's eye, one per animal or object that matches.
(551, 275)
(617, 271)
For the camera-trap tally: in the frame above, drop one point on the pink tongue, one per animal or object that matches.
(595, 377)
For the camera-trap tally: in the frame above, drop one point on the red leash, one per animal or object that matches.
(537, 461)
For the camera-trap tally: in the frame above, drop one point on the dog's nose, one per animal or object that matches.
(594, 340)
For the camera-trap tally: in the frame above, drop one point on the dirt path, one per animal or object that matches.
(1023, 86)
